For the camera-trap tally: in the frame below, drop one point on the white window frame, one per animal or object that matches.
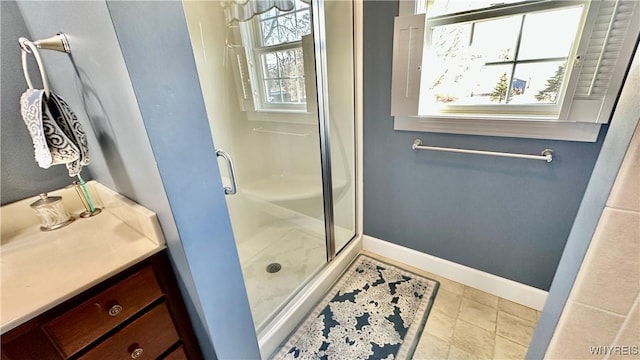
(578, 119)
(549, 111)
(251, 38)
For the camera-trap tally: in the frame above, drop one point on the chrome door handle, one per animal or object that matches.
(228, 190)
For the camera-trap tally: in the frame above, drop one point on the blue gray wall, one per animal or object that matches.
(508, 217)
(20, 176)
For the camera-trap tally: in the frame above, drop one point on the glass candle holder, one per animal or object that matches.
(51, 212)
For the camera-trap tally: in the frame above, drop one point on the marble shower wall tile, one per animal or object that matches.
(603, 310)
(626, 190)
(609, 278)
(580, 328)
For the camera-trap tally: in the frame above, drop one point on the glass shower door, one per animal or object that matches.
(341, 105)
(254, 78)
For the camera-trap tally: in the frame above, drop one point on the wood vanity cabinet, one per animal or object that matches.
(136, 314)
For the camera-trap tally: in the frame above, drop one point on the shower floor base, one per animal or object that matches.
(300, 253)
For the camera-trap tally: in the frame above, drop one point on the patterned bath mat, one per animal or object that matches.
(375, 311)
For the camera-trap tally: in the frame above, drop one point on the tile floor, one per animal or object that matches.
(466, 323)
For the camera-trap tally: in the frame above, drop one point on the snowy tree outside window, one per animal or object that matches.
(480, 62)
(280, 53)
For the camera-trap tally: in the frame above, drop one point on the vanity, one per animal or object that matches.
(100, 288)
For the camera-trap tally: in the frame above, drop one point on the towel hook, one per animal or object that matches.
(28, 46)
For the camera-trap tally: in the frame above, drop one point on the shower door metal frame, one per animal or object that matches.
(319, 27)
(319, 44)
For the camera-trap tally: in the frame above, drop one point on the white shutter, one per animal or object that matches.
(238, 59)
(604, 56)
(408, 44)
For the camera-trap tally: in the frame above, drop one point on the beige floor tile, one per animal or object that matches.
(447, 303)
(508, 350)
(514, 329)
(481, 297)
(440, 325)
(450, 285)
(459, 354)
(473, 339)
(430, 347)
(478, 314)
(518, 310)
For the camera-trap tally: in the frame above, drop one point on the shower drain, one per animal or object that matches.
(273, 268)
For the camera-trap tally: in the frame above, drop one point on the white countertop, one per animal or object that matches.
(40, 270)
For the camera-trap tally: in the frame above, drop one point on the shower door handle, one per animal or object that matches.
(228, 190)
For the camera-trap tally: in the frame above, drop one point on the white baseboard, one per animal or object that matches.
(507, 289)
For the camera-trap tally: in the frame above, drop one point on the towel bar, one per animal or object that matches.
(546, 154)
(259, 129)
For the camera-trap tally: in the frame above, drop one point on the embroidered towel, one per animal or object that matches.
(58, 137)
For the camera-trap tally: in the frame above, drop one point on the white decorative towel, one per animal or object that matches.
(58, 137)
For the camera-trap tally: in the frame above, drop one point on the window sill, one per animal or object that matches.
(495, 116)
(550, 130)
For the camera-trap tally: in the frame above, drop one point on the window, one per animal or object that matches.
(473, 67)
(479, 62)
(275, 55)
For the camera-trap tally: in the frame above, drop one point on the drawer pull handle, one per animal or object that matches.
(136, 353)
(115, 310)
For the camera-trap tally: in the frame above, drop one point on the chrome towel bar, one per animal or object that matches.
(259, 129)
(546, 154)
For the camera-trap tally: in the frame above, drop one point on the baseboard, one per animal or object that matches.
(508, 289)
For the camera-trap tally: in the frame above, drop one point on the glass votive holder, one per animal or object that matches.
(51, 212)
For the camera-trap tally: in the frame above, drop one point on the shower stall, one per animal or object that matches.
(278, 81)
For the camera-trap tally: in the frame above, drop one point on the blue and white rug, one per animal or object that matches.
(375, 311)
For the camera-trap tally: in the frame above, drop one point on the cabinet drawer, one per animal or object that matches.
(146, 338)
(177, 354)
(85, 323)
